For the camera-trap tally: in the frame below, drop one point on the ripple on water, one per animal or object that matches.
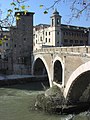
(15, 104)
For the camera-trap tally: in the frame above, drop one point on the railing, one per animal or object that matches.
(73, 49)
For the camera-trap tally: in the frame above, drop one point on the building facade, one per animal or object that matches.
(57, 34)
(4, 50)
(4, 43)
(24, 38)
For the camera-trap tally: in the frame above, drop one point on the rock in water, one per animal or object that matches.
(51, 100)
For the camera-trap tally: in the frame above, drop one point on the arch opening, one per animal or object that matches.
(58, 72)
(79, 90)
(39, 70)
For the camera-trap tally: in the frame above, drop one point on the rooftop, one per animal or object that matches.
(23, 13)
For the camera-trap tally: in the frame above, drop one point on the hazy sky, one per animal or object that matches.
(39, 17)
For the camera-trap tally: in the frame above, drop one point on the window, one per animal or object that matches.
(36, 29)
(65, 40)
(63, 33)
(46, 33)
(57, 33)
(58, 21)
(52, 22)
(40, 38)
(76, 41)
(15, 45)
(5, 38)
(66, 33)
(7, 44)
(49, 39)
(46, 39)
(36, 41)
(24, 39)
(81, 41)
(49, 33)
(71, 41)
(57, 42)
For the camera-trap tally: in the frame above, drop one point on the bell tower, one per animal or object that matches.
(56, 28)
(55, 19)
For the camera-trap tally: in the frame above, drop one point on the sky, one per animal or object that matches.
(40, 17)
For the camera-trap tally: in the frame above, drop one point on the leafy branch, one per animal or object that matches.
(15, 6)
(8, 21)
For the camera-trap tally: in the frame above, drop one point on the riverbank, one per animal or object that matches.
(8, 80)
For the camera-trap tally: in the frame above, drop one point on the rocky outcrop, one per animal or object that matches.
(50, 100)
(53, 101)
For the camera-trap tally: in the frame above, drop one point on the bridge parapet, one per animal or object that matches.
(78, 49)
(74, 50)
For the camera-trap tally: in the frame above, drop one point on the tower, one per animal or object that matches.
(24, 25)
(55, 19)
(56, 28)
(22, 42)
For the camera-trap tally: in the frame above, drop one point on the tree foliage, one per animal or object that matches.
(9, 19)
(15, 5)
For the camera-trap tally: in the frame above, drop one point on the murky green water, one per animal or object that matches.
(17, 103)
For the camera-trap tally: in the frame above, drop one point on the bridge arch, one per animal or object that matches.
(43, 62)
(78, 83)
(58, 71)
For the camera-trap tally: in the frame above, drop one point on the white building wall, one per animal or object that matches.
(89, 38)
(44, 37)
(48, 35)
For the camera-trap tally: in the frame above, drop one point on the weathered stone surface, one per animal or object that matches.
(51, 100)
(86, 95)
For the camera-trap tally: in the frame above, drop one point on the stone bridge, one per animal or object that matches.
(66, 67)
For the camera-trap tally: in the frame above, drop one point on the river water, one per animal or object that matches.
(17, 103)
